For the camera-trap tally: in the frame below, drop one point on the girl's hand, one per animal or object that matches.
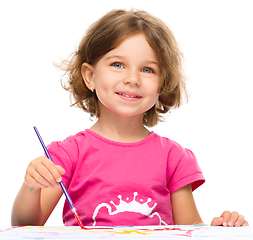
(230, 219)
(43, 173)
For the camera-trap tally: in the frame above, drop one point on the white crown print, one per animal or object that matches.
(133, 206)
(124, 206)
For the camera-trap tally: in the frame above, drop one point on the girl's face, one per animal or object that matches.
(127, 78)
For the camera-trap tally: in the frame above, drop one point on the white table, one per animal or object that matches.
(138, 232)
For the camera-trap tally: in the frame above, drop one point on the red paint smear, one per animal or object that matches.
(105, 228)
(8, 229)
(79, 220)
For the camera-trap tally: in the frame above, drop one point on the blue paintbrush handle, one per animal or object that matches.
(61, 183)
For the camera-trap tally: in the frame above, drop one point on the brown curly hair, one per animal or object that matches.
(106, 34)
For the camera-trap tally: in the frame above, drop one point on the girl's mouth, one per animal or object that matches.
(128, 94)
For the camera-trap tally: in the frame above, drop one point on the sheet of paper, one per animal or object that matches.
(100, 232)
(138, 232)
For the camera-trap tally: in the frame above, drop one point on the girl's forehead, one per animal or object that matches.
(135, 46)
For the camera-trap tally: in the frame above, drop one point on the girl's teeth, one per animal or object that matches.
(125, 95)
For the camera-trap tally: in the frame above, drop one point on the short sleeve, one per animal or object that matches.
(183, 169)
(60, 157)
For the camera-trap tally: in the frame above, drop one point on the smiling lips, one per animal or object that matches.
(129, 95)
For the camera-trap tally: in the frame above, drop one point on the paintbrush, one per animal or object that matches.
(61, 183)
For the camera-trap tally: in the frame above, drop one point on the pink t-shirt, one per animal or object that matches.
(123, 184)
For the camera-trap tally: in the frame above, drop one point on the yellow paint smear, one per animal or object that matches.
(64, 229)
(130, 232)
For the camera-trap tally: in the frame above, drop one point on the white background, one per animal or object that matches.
(216, 124)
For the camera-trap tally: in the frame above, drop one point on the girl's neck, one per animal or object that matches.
(121, 129)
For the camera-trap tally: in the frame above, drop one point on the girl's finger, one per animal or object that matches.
(245, 223)
(60, 169)
(233, 218)
(217, 221)
(32, 183)
(226, 216)
(55, 175)
(44, 177)
(240, 221)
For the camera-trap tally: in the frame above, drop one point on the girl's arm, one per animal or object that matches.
(39, 193)
(184, 209)
(34, 207)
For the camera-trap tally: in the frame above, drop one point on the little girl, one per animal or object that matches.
(126, 73)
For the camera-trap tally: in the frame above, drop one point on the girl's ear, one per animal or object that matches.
(87, 71)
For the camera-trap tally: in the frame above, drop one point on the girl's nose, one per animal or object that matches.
(132, 78)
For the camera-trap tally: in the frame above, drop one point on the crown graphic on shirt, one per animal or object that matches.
(133, 206)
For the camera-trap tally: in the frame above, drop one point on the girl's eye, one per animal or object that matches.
(147, 70)
(117, 65)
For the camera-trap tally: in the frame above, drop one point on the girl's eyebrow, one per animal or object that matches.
(114, 56)
(152, 62)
